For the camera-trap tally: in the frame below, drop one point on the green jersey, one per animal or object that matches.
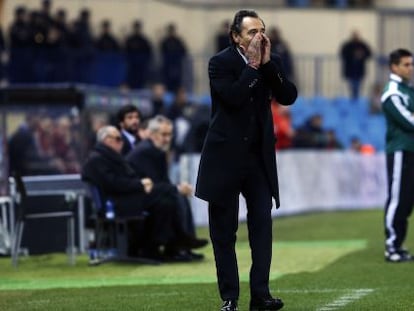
(398, 106)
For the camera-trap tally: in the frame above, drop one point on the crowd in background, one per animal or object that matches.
(43, 46)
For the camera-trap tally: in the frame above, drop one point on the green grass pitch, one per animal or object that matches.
(321, 261)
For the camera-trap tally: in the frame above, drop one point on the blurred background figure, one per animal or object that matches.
(21, 54)
(139, 57)
(354, 53)
(283, 129)
(375, 106)
(81, 48)
(311, 134)
(2, 53)
(173, 53)
(180, 113)
(157, 98)
(106, 41)
(222, 37)
(281, 47)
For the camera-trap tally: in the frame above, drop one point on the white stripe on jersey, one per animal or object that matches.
(402, 109)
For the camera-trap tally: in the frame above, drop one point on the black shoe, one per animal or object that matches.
(195, 256)
(229, 305)
(188, 242)
(177, 256)
(400, 255)
(266, 304)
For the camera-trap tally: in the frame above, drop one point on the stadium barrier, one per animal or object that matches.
(313, 181)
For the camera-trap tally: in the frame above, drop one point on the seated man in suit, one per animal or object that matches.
(149, 159)
(131, 194)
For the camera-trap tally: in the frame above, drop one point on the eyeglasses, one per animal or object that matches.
(117, 138)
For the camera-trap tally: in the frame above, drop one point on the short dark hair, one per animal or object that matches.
(396, 55)
(236, 26)
(124, 110)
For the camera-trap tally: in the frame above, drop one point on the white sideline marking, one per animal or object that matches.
(342, 301)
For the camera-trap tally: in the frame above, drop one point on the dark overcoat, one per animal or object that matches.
(239, 92)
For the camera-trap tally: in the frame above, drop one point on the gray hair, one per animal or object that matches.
(104, 132)
(154, 123)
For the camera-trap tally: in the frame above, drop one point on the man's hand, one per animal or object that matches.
(185, 188)
(148, 184)
(266, 45)
(254, 51)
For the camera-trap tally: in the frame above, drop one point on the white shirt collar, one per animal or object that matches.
(395, 77)
(241, 54)
(131, 138)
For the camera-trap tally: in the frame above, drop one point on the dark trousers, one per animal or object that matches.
(160, 204)
(400, 201)
(223, 221)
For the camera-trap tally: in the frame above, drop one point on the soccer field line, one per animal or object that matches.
(351, 295)
(346, 299)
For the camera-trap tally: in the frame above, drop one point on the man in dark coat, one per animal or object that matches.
(149, 159)
(114, 177)
(139, 57)
(354, 54)
(238, 156)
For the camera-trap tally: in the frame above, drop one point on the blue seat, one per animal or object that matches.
(300, 111)
(375, 130)
(112, 234)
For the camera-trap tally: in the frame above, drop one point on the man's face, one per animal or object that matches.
(114, 140)
(131, 122)
(250, 27)
(162, 138)
(404, 69)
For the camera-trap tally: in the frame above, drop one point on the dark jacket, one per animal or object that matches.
(111, 172)
(238, 92)
(149, 161)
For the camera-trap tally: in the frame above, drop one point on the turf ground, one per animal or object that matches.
(322, 261)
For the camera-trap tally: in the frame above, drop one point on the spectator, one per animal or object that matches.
(157, 98)
(21, 54)
(311, 134)
(332, 141)
(81, 48)
(143, 132)
(283, 129)
(128, 118)
(61, 24)
(375, 105)
(106, 42)
(44, 13)
(356, 145)
(149, 159)
(139, 56)
(132, 194)
(222, 37)
(354, 54)
(281, 48)
(2, 51)
(180, 113)
(173, 53)
(27, 155)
